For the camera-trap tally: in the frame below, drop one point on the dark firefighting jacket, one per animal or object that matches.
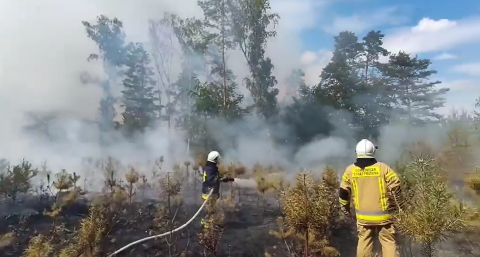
(211, 179)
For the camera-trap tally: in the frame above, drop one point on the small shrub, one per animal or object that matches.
(307, 207)
(430, 214)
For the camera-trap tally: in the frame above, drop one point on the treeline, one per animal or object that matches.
(356, 91)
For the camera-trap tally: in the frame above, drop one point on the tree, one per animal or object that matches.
(218, 21)
(338, 87)
(219, 100)
(194, 43)
(162, 37)
(372, 50)
(305, 115)
(109, 36)
(139, 102)
(429, 213)
(251, 18)
(309, 209)
(209, 104)
(375, 102)
(295, 82)
(476, 114)
(416, 97)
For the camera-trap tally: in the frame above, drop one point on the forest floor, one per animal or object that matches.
(246, 229)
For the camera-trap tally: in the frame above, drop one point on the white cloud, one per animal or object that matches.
(472, 69)
(286, 48)
(434, 35)
(300, 14)
(363, 21)
(445, 56)
(308, 57)
(313, 64)
(461, 96)
(458, 85)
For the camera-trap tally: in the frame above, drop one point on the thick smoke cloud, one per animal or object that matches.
(44, 70)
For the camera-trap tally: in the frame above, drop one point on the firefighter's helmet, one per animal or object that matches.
(213, 156)
(365, 149)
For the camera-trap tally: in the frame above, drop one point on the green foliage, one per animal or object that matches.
(430, 213)
(139, 100)
(416, 96)
(16, 179)
(211, 102)
(305, 108)
(109, 36)
(251, 20)
(355, 92)
(309, 206)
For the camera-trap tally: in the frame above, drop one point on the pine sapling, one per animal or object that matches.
(132, 178)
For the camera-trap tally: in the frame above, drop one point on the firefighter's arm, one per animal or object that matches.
(344, 192)
(227, 179)
(392, 182)
(224, 179)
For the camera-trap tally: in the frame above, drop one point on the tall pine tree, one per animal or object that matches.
(222, 86)
(109, 36)
(305, 116)
(251, 19)
(374, 102)
(139, 99)
(339, 84)
(416, 96)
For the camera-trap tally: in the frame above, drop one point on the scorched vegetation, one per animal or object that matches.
(288, 211)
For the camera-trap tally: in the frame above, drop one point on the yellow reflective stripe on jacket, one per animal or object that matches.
(390, 175)
(355, 194)
(372, 216)
(383, 193)
(342, 202)
(370, 173)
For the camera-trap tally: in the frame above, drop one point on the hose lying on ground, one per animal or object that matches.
(166, 233)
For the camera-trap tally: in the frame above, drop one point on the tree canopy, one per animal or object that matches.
(357, 91)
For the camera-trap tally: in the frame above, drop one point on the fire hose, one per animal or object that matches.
(166, 233)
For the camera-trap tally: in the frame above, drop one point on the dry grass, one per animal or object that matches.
(429, 210)
(7, 239)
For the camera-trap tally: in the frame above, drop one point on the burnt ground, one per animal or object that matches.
(246, 229)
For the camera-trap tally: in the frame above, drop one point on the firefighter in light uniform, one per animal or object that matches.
(372, 186)
(211, 180)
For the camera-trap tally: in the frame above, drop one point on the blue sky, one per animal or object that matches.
(445, 31)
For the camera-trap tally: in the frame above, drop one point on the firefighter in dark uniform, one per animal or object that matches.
(211, 181)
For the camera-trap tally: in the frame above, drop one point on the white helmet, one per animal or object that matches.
(365, 149)
(213, 156)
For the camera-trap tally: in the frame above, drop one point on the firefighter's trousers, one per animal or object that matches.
(386, 236)
(209, 209)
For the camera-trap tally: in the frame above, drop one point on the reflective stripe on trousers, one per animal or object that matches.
(372, 215)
